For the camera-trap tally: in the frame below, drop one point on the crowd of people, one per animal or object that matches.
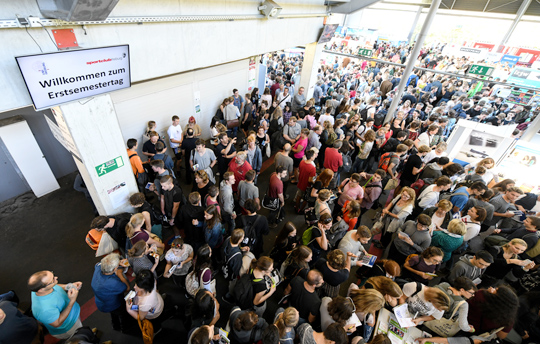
(354, 186)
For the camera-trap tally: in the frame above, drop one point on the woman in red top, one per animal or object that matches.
(351, 212)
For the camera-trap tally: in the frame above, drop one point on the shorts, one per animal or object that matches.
(296, 162)
(299, 194)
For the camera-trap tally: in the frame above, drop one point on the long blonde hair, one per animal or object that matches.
(289, 318)
(367, 300)
(135, 222)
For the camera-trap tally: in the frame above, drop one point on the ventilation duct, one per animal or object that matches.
(76, 10)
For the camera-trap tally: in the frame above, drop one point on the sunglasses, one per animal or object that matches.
(177, 246)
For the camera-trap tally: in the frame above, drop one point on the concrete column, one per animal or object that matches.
(521, 11)
(312, 58)
(413, 57)
(531, 131)
(104, 164)
(415, 22)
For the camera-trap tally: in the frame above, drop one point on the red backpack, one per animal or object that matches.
(384, 162)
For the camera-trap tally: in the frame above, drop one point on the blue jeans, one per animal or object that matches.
(359, 165)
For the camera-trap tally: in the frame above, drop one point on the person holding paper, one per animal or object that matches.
(422, 267)
(506, 258)
(367, 302)
(472, 267)
(413, 238)
(353, 241)
(339, 310)
(425, 303)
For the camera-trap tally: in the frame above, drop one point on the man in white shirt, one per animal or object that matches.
(175, 138)
(326, 117)
(284, 98)
(430, 196)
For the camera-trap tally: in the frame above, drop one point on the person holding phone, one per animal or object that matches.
(147, 303)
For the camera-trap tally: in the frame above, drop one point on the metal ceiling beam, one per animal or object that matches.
(353, 6)
(522, 9)
(487, 3)
(470, 14)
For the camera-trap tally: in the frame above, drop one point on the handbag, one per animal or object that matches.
(233, 123)
(392, 184)
(147, 330)
(106, 245)
(446, 327)
(268, 150)
(270, 203)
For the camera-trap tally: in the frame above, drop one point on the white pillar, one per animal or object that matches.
(413, 57)
(532, 130)
(415, 22)
(104, 165)
(521, 11)
(312, 59)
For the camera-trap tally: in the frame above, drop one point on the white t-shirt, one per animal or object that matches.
(428, 198)
(424, 139)
(432, 155)
(418, 303)
(176, 134)
(472, 228)
(324, 118)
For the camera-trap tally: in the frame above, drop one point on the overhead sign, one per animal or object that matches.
(510, 59)
(109, 166)
(481, 70)
(525, 77)
(365, 52)
(62, 77)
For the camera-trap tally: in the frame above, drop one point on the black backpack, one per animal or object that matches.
(243, 292)
(378, 119)
(364, 113)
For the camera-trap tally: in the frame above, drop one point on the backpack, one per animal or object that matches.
(147, 330)
(332, 137)
(243, 292)
(385, 160)
(225, 268)
(448, 195)
(412, 255)
(378, 119)
(347, 163)
(93, 238)
(336, 233)
(418, 186)
(192, 283)
(142, 178)
(364, 113)
(307, 236)
(310, 217)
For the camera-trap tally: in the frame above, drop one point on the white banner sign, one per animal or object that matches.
(62, 77)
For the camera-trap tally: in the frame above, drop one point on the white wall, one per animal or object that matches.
(159, 99)
(161, 49)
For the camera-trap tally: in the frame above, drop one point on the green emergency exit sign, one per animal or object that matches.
(365, 52)
(109, 166)
(481, 70)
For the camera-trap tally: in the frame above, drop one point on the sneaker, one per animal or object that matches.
(272, 225)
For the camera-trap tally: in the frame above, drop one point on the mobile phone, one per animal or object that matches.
(148, 185)
(134, 307)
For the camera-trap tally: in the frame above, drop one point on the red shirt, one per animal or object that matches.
(332, 159)
(276, 186)
(239, 172)
(307, 172)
